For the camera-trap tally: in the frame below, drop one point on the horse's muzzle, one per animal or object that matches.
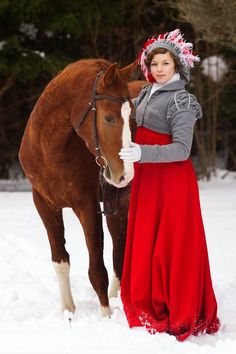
(119, 180)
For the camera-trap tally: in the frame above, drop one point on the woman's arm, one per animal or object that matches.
(183, 110)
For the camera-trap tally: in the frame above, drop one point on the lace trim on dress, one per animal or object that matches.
(138, 318)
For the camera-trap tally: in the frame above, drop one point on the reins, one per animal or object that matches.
(110, 194)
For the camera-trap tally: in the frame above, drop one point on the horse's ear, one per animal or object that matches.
(110, 75)
(127, 70)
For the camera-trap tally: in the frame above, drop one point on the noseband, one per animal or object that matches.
(106, 188)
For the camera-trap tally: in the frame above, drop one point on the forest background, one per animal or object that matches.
(38, 38)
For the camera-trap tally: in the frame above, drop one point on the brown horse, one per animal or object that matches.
(81, 114)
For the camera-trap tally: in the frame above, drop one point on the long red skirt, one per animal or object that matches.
(166, 283)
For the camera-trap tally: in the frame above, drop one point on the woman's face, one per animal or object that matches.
(162, 67)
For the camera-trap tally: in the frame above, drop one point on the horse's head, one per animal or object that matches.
(106, 134)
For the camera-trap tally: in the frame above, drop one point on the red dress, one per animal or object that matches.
(166, 283)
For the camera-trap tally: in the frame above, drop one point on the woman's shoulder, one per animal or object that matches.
(182, 100)
(141, 95)
(144, 90)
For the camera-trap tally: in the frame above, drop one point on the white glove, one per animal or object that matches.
(131, 154)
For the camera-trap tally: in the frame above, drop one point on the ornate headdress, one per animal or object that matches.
(175, 43)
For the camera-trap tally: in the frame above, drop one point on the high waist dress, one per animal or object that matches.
(166, 283)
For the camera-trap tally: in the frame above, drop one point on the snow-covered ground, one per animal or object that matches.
(30, 318)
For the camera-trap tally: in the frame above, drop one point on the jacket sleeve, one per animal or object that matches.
(183, 110)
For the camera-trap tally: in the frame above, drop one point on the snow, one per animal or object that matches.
(30, 318)
(29, 30)
(15, 185)
(215, 67)
(2, 43)
(41, 54)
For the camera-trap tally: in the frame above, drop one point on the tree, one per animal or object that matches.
(213, 27)
(38, 38)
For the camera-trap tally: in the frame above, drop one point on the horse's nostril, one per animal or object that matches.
(122, 178)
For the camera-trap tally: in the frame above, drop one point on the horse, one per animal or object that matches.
(75, 131)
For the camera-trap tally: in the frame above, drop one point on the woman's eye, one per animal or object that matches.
(110, 119)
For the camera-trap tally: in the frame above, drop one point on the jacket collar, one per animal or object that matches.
(173, 86)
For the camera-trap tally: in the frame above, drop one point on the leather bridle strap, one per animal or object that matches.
(111, 98)
(92, 107)
(94, 98)
(109, 207)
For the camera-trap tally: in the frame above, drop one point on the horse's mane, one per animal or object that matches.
(87, 66)
(66, 83)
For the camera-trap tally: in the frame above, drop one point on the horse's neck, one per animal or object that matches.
(50, 123)
(60, 107)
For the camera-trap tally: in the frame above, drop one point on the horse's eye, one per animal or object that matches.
(110, 119)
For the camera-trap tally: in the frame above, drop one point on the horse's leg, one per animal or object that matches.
(53, 222)
(117, 225)
(91, 222)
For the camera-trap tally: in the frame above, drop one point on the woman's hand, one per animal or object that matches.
(131, 154)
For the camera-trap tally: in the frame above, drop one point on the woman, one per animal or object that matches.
(166, 283)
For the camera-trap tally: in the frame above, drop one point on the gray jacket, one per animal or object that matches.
(170, 110)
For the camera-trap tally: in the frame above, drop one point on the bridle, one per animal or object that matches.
(92, 107)
(107, 189)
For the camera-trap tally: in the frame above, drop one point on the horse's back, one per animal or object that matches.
(135, 87)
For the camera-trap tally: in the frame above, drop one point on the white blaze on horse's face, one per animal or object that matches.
(126, 139)
(128, 173)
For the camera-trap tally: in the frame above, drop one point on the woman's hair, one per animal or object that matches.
(161, 51)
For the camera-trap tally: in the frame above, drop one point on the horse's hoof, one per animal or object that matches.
(68, 309)
(106, 311)
(68, 316)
